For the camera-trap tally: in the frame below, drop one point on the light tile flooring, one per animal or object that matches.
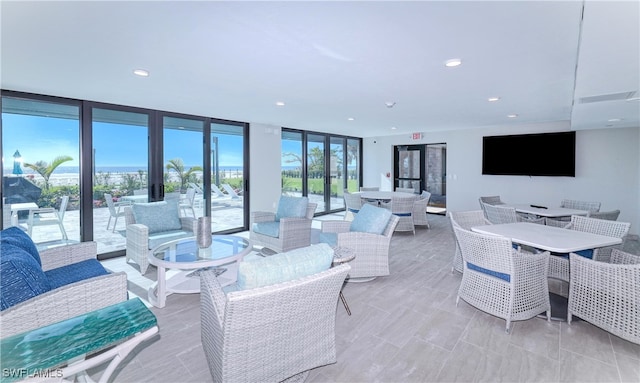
(405, 328)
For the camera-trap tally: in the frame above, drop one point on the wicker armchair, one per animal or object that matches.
(608, 215)
(465, 220)
(406, 190)
(607, 294)
(292, 233)
(559, 265)
(372, 250)
(352, 203)
(497, 214)
(67, 301)
(491, 200)
(139, 241)
(402, 207)
(580, 205)
(500, 280)
(271, 333)
(420, 210)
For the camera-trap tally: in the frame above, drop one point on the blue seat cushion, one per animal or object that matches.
(371, 219)
(330, 239)
(158, 239)
(588, 253)
(17, 237)
(496, 274)
(21, 277)
(271, 229)
(284, 267)
(158, 216)
(292, 207)
(75, 272)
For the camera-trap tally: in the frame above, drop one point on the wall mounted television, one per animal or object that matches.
(543, 154)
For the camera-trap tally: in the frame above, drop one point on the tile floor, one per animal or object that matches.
(405, 328)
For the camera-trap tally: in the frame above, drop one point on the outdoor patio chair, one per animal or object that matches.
(608, 215)
(215, 189)
(49, 216)
(288, 228)
(115, 210)
(188, 202)
(500, 280)
(353, 204)
(606, 294)
(497, 214)
(230, 192)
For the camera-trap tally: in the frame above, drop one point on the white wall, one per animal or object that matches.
(265, 160)
(607, 169)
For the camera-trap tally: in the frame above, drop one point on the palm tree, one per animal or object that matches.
(45, 169)
(177, 165)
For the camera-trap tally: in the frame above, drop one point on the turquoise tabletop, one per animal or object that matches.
(36, 352)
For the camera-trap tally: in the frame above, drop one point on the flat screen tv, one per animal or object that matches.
(544, 154)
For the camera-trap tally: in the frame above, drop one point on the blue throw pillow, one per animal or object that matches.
(292, 207)
(17, 237)
(284, 267)
(21, 277)
(371, 219)
(158, 216)
(75, 272)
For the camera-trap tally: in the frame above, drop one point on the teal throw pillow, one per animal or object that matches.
(158, 216)
(292, 207)
(284, 267)
(371, 219)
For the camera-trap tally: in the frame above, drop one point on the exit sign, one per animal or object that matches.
(416, 136)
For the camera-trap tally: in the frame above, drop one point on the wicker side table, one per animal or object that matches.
(342, 255)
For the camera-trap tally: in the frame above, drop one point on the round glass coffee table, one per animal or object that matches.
(184, 254)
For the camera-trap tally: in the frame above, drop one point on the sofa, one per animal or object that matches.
(38, 288)
(152, 224)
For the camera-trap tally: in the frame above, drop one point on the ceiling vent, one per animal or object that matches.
(607, 97)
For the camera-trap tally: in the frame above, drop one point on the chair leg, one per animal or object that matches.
(63, 231)
(108, 222)
(115, 223)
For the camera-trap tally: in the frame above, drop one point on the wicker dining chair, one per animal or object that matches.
(580, 205)
(607, 294)
(420, 210)
(406, 190)
(402, 207)
(497, 214)
(465, 220)
(559, 265)
(500, 280)
(491, 200)
(353, 203)
(270, 333)
(608, 215)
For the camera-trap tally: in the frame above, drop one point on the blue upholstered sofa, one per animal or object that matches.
(40, 288)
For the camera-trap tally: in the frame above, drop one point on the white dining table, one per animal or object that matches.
(554, 239)
(551, 212)
(384, 196)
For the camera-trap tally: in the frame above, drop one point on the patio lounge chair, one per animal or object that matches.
(232, 193)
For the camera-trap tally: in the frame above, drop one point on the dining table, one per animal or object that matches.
(383, 196)
(553, 239)
(546, 211)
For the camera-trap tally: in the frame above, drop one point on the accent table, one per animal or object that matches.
(37, 354)
(184, 254)
(342, 255)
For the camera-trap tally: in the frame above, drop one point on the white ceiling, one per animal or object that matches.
(332, 60)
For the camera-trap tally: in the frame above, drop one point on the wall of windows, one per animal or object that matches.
(105, 157)
(320, 166)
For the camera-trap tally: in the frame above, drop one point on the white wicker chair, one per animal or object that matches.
(293, 232)
(352, 203)
(559, 266)
(406, 190)
(466, 220)
(497, 214)
(67, 301)
(607, 294)
(371, 250)
(370, 188)
(580, 205)
(608, 215)
(420, 210)
(491, 200)
(402, 207)
(271, 333)
(500, 280)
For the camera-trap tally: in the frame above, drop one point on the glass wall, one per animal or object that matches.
(292, 163)
(41, 169)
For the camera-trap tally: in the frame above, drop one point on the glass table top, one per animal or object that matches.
(186, 250)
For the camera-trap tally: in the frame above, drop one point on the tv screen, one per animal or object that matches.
(544, 154)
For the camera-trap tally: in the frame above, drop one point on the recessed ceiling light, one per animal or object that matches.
(512, 115)
(280, 103)
(390, 104)
(350, 118)
(492, 99)
(634, 99)
(393, 128)
(614, 119)
(141, 72)
(452, 62)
